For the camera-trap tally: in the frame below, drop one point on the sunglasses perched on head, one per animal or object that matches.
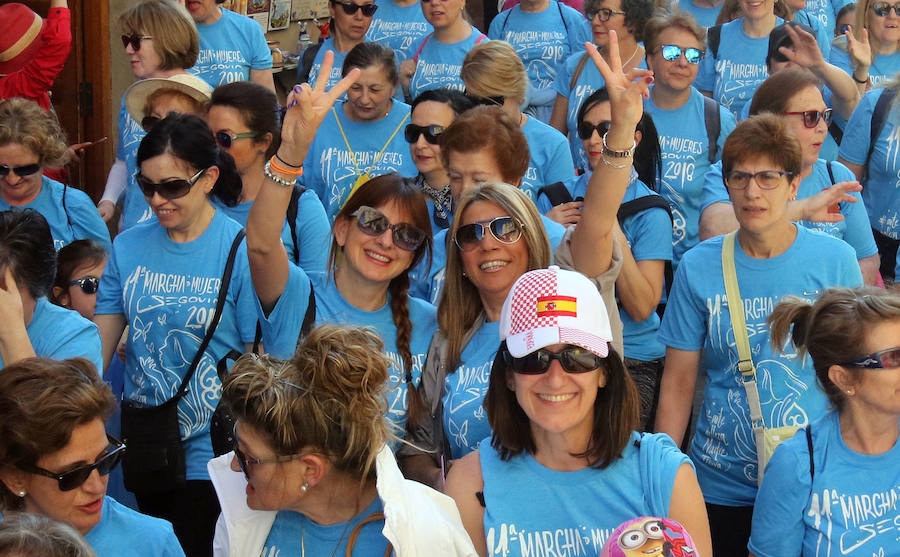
(884, 359)
(882, 9)
(77, 476)
(431, 133)
(169, 189)
(586, 129)
(20, 171)
(811, 117)
(88, 285)
(225, 140)
(373, 223)
(477, 100)
(672, 52)
(134, 40)
(351, 8)
(766, 179)
(573, 359)
(603, 13)
(505, 230)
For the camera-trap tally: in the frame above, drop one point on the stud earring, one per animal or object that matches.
(22, 494)
(850, 392)
(304, 488)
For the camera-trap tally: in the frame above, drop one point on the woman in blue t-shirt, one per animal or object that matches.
(55, 457)
(762, 161)
(563, 456)
(870, 50)
(833, 488)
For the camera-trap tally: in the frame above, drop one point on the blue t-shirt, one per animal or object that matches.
(282, 327)
(723, 448)
(883, 68)
(337, 65)
(294, 534)
(59, 333)
(829, 150)
(439, 63)
(684, 145)
(823, 35)
(313, 230)
(704, 15)
(131, 133)
(826, 11)
(882, 187)
(854, 229)
(403, 28)
(230, 48)
(120, 528)
(551, 160)
(329, 168)
(544, 39)
(588, 81)
(850, 507)
(738, 70)
(76, 218)
(167, 292)
(534, 510)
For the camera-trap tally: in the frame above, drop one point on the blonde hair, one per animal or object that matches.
(329, 397)
(493, 68)
(460, 304)
(860, 22)
(24, 122)
(175, 36)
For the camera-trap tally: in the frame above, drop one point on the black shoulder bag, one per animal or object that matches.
(154, 461)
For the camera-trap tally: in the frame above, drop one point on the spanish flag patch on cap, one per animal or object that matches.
(556, 306)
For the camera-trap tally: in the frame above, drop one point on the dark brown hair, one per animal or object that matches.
(763, 135)
(72, 256)
(489, 128)
(257, 106)
(777, 90)
(365, 55)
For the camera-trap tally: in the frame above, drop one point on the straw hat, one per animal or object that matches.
(136, 96)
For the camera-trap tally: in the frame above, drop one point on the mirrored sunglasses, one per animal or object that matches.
(672, 52)
(431, 133)
(20, 171)
(88, 285)
(373, 223)
(170, 189)
(76, 477)
(573, 359)
(505, 230)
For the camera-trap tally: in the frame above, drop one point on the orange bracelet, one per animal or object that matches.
(280, 169)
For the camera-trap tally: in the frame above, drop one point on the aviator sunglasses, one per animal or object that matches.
(811, 117)
(88, 285)
(134, 40)
(883, 359)
(573, 359)
(672, 52)
(170, 189)
(350, 8)
(76, 477)
(882, 9)
(20, 171)
(373, 223)
(505, 230)
(586, 129)
(431, 133)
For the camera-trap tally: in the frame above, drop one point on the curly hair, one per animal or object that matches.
(24, 122)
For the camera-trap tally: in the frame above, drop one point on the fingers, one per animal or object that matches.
(601, 64)
(343, 85)
(846, 187)
(614, 57)
(325, 71)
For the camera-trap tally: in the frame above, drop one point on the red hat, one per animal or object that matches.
(21, 37)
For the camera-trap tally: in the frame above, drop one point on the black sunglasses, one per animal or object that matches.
(351, 8)
(573, 359)
(811, 117)
(505, 230)
(20, 171)
(170, 189)
(76, 477)
(134, 40)
(883, 359)
(225, 140)
(882, 9)
(586, 129)
(373, 223)
(88, 285)
(497, 100)
(431, 133)
(603, 13)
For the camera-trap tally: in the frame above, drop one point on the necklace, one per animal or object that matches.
(635, 51)
(303, 538)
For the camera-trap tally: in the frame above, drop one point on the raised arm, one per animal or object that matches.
(592, 240)
(307, 107)
(806, 53)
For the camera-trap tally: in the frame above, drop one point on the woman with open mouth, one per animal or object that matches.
(869, 51)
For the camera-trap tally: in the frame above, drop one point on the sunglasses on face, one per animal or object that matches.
(170, 189)
(225, 140)
(350, 8)
(884, 359)
(245, 462)
(88, 285)
(882, 9)
(603, 13)
(373, 223)
(505, 230)
(431, 133)
(573, 359)
(586, 129)
(811, 117)
(134, 40)
(766, 179)
(672, 52)
(76, 477)
(485, 101)
(20, 171)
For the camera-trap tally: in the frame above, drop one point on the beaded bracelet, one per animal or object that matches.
(267, 172)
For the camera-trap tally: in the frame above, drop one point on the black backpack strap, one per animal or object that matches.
(830, 171)
(291, 218)
(309, 318)
(879, 115)
(713, 35)
(713, 120)
(836, 132)
(306, 62)
(505, 21)
(556, 193)
(634, 207)
(809, 444)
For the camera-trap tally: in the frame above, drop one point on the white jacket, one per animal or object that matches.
(418, 521)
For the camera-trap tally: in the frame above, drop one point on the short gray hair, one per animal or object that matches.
(28, 535)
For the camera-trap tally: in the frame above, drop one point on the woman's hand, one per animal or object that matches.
(860, 51)
(14, 342)
(407, 70)
(307, 107)
(107, 209)
(805, 52)
(627, 90)
(566, 214)
(819, 207)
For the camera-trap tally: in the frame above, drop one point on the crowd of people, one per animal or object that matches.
(608, 278)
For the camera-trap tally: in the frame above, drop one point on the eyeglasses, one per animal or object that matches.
(603, 13)
(505, 230)
(76, 477)
(811, 117)
(170, 189)
(478, 100)
(766, 179)
(88, 285)
(20, 171)
(883, 359)
(573, 359)
(881, 9)
(672, 52)
(134, 41)
(244, 462)
(351, 8)
(373, 223)
(586, 129)
(225, 139)
(431, 133)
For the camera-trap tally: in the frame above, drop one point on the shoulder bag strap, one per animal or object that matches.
(713, 122)
(809, 444)
(578, 69)
(421, 46)
(879, 115)
(354, 534)
(292, 210)
(217, 315)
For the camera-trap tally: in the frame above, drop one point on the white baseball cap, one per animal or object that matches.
(554, 306)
